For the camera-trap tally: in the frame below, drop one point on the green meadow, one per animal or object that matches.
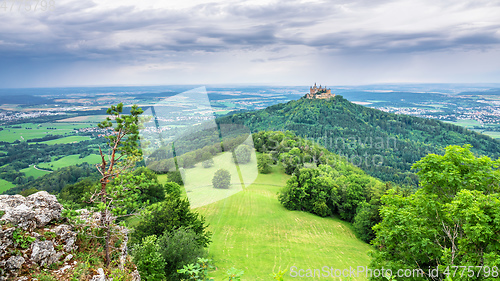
(198, 180)
(468, 123)
(31, 131)
(70, 139)
(69, 161)
(31, 171)
(5, 185)
(254, 233)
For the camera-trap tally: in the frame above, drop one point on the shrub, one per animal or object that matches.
(234, 274)
(172, 188)
(148, 259)
(175, 177)
(197, 271)
(221, 179)
(169, 215)
(207, 163)
(243, 154)
(263, 163)
(179, 248)
(28, 192)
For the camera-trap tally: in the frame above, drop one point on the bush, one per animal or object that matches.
(179, 248)
(263, 163)
(197, 271)
(207, 163)
(175, 177)
(172, 188)
(243, 154)
(148, 259)
(221, 179)
(367, 216)
(169, 215)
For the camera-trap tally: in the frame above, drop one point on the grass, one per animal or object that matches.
(31, 171)
(492, 134)
(69, 161)
(468, 123)
(31, 131)
(70, 139)
(5, 185)
(254, 233)
(198, 180)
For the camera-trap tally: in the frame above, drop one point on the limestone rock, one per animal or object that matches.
(100, 275)
(42, 252)
(14, 263)
(46, 207)
(30, 212)
(67, 236)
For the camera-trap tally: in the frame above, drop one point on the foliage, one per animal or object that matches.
(57, 180)
(44, 277)
(22, 239)
(243, 154)
(221, 179)
(444, 175)
(264, 162)
(310, 190)
(22, 155)
(196, 271)
(208, 163)
(166, 216)
(279, 275)
(173, 189)
(160, 258)
(176, 177)
(28, 192)
(234, 274)
(366, 217)
(151, 190)
(78, 192)
(148, 259)
(114, 200)
(453, 220)
(351, 130)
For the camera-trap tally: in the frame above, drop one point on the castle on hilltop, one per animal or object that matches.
(319, 93)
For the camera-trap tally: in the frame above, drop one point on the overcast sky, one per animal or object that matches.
(142, 42)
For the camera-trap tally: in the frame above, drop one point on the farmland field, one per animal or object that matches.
(69, 161)
(69, 139)
(5, 185)
(31, 131)
(31, 171)
(254, 233)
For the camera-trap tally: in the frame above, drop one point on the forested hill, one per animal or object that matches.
(385, 145)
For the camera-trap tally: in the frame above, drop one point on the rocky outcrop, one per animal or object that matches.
(30, 212)
(23, 238)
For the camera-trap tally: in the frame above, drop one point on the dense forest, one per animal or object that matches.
(385, 145)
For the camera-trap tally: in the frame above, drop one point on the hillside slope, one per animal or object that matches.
(385, 145)
(253, 232)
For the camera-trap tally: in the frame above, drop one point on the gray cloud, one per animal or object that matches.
(85, 30)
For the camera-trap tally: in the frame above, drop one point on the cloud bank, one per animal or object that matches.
(282, 42)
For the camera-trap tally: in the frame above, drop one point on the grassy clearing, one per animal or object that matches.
(492, 134)
(70, 160)
(70, 139)
(253, 232)
(31, 131)
(5, 185)
(468, 123)
(198, 180)
(31, 171)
